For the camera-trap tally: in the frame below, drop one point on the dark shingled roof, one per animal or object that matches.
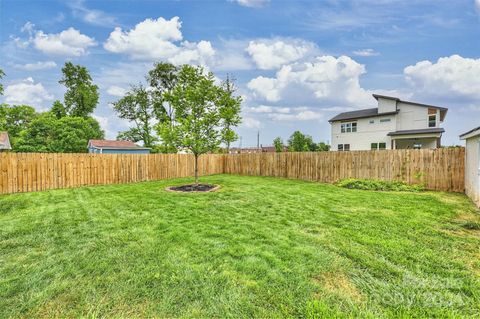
(359, 114)
(420, 131)
(471, 131)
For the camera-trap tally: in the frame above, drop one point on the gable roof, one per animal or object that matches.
(359, 114)
(471, 133)
(112, 144)
(4, 141)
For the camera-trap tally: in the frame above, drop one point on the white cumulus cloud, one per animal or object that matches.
(366, 52)
(326, 78)
(154, 39)
(41, 65)
(27, 92)
(69, 42)
(273, 53)
(250, 122)
(116, 91)
(252, 3)
(448, 77)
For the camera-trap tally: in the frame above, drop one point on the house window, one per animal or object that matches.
(348, 127)
(343, 147)
(378, 146)
(417, 146)
(371, 122)
(385, 120)
(432, 120)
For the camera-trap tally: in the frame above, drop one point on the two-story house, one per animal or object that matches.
(394, 124)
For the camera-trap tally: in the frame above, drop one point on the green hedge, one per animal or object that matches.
(377, 185)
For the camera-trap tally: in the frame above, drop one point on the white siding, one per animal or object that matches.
(412, 117)
(472, 169)
(366, 133)
(386, 105)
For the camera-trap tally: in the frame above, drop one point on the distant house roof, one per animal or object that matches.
(374, 111)
(359, 114)
(4, 141)
(471, 133)
(111, 144)
(420, 131)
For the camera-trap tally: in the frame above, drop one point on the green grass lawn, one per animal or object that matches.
(259, 247)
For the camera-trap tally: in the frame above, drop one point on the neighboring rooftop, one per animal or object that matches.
(4, 141)
(374, 111)
(112, 144)
(420, 131)
(359, 114)
(471, 133)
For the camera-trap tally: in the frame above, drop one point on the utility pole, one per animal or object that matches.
(258, 139)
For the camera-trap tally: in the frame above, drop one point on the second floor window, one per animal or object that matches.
(348, 127)
(432, 117)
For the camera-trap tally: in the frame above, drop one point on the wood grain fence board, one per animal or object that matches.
(441, 169)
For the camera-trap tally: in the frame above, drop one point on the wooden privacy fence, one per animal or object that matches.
(27, 172)
(441, 169)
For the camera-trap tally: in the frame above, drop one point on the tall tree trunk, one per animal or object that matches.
(196, 169)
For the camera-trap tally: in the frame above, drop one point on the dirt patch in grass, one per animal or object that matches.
(338, 283)
(193, 188)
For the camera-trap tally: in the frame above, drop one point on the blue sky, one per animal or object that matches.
(297, 63)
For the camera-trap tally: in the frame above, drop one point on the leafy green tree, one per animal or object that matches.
(196, 122)
(230, 106)
(14, 119)
(162, 80)
(299, 142)
(2, 74)
(323, 147)
(81, 97)
(278, 143)
(132, 135)
(138, 107)
(58, 109)
(69, 134)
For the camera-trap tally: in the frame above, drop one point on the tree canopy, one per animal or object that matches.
(138, 107)
(69, 134)
(299, 142)
(81, 97)
(2, 74)
(278, 144)
(14, 119)
(197, 122)
(230, 106)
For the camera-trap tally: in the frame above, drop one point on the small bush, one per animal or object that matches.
(377, 185)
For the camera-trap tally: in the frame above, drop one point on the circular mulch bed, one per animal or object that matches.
(193, 188)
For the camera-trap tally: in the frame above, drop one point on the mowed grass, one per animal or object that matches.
(259, 247)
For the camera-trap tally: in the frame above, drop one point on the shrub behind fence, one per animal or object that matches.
(441, 169)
